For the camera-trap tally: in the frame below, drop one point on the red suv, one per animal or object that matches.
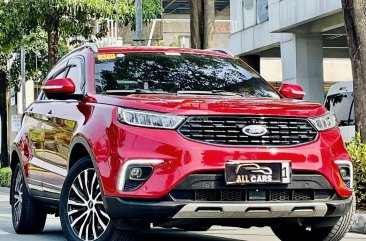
(121, 139)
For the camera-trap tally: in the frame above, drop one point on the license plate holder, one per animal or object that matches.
(257, 172)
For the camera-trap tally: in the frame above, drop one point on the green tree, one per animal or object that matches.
(9, 39)
(36, 58)
(75, 19)
(71, 20)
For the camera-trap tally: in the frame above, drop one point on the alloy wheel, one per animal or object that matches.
(85, 209)
(18, 197)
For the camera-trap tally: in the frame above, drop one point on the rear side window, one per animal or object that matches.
(342, 105)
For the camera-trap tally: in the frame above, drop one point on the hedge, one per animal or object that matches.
(357, 150)
(5, 177)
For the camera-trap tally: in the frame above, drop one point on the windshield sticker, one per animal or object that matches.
(106, 56)
(172, 53)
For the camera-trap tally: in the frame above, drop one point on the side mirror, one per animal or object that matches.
(60, 89)
(292, 91)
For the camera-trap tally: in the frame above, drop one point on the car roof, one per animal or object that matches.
(114, 50)
(345, 86)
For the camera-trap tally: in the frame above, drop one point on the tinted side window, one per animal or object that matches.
(60, 75)
(342, 105)
(75, 73)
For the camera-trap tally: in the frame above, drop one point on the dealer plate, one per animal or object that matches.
(257, 172)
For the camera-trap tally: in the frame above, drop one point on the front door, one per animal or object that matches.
(63, 116)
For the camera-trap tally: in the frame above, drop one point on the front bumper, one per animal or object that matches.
(182, 158)
(119, 208)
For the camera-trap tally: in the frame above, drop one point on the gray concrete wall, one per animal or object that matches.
(284, 16)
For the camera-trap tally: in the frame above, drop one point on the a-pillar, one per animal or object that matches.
(302, 63)
(253, 61)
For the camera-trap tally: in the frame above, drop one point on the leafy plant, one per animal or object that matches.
(5, 177)
(357, 150)
(36, 58)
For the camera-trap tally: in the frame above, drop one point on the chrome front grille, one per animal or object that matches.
(228, 130)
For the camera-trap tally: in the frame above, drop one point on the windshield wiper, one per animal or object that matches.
(135, 91)
(209, 92)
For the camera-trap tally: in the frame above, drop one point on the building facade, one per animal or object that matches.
(308, 36)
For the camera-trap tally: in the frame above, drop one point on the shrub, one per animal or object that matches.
(5, 177)
(357, 150)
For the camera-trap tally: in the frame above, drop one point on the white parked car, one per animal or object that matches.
(340, 101)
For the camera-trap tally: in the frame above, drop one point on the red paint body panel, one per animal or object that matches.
(292, 91)
(60, 86)
(215, 105)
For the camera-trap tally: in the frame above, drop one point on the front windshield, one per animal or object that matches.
(177, 73)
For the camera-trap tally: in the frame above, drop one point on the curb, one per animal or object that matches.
(359, 223)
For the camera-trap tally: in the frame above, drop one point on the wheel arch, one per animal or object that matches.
(80, 148)
(14, 160)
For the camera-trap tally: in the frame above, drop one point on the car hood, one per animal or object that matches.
(214, 105)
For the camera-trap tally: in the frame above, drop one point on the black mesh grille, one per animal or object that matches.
(280, 195)
(236, 195)
(232, 195)
(226, 130)
(132, 185)
(302, 195)
(348, 183)
(212, 195)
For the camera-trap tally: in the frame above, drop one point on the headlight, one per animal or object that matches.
(149, 119)
(324, 122)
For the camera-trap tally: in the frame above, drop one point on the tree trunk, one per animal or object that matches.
(209, 24)
(355, 21)
(202, 24)
(197, 24)
(52, 26)
(4, 155)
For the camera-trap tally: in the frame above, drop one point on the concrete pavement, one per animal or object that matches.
(53, 230)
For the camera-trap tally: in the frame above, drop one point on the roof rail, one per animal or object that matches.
(92, 46)
(221, 50)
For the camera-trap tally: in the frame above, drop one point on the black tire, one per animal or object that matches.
(333, 233)
(27, 215)
(82, 212)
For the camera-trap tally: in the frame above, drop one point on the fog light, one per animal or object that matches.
(346, 172)
(136, 171)
(140, 173)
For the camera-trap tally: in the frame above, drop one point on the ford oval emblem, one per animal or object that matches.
(255, 130)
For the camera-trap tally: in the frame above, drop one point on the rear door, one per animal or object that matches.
(60, 128)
